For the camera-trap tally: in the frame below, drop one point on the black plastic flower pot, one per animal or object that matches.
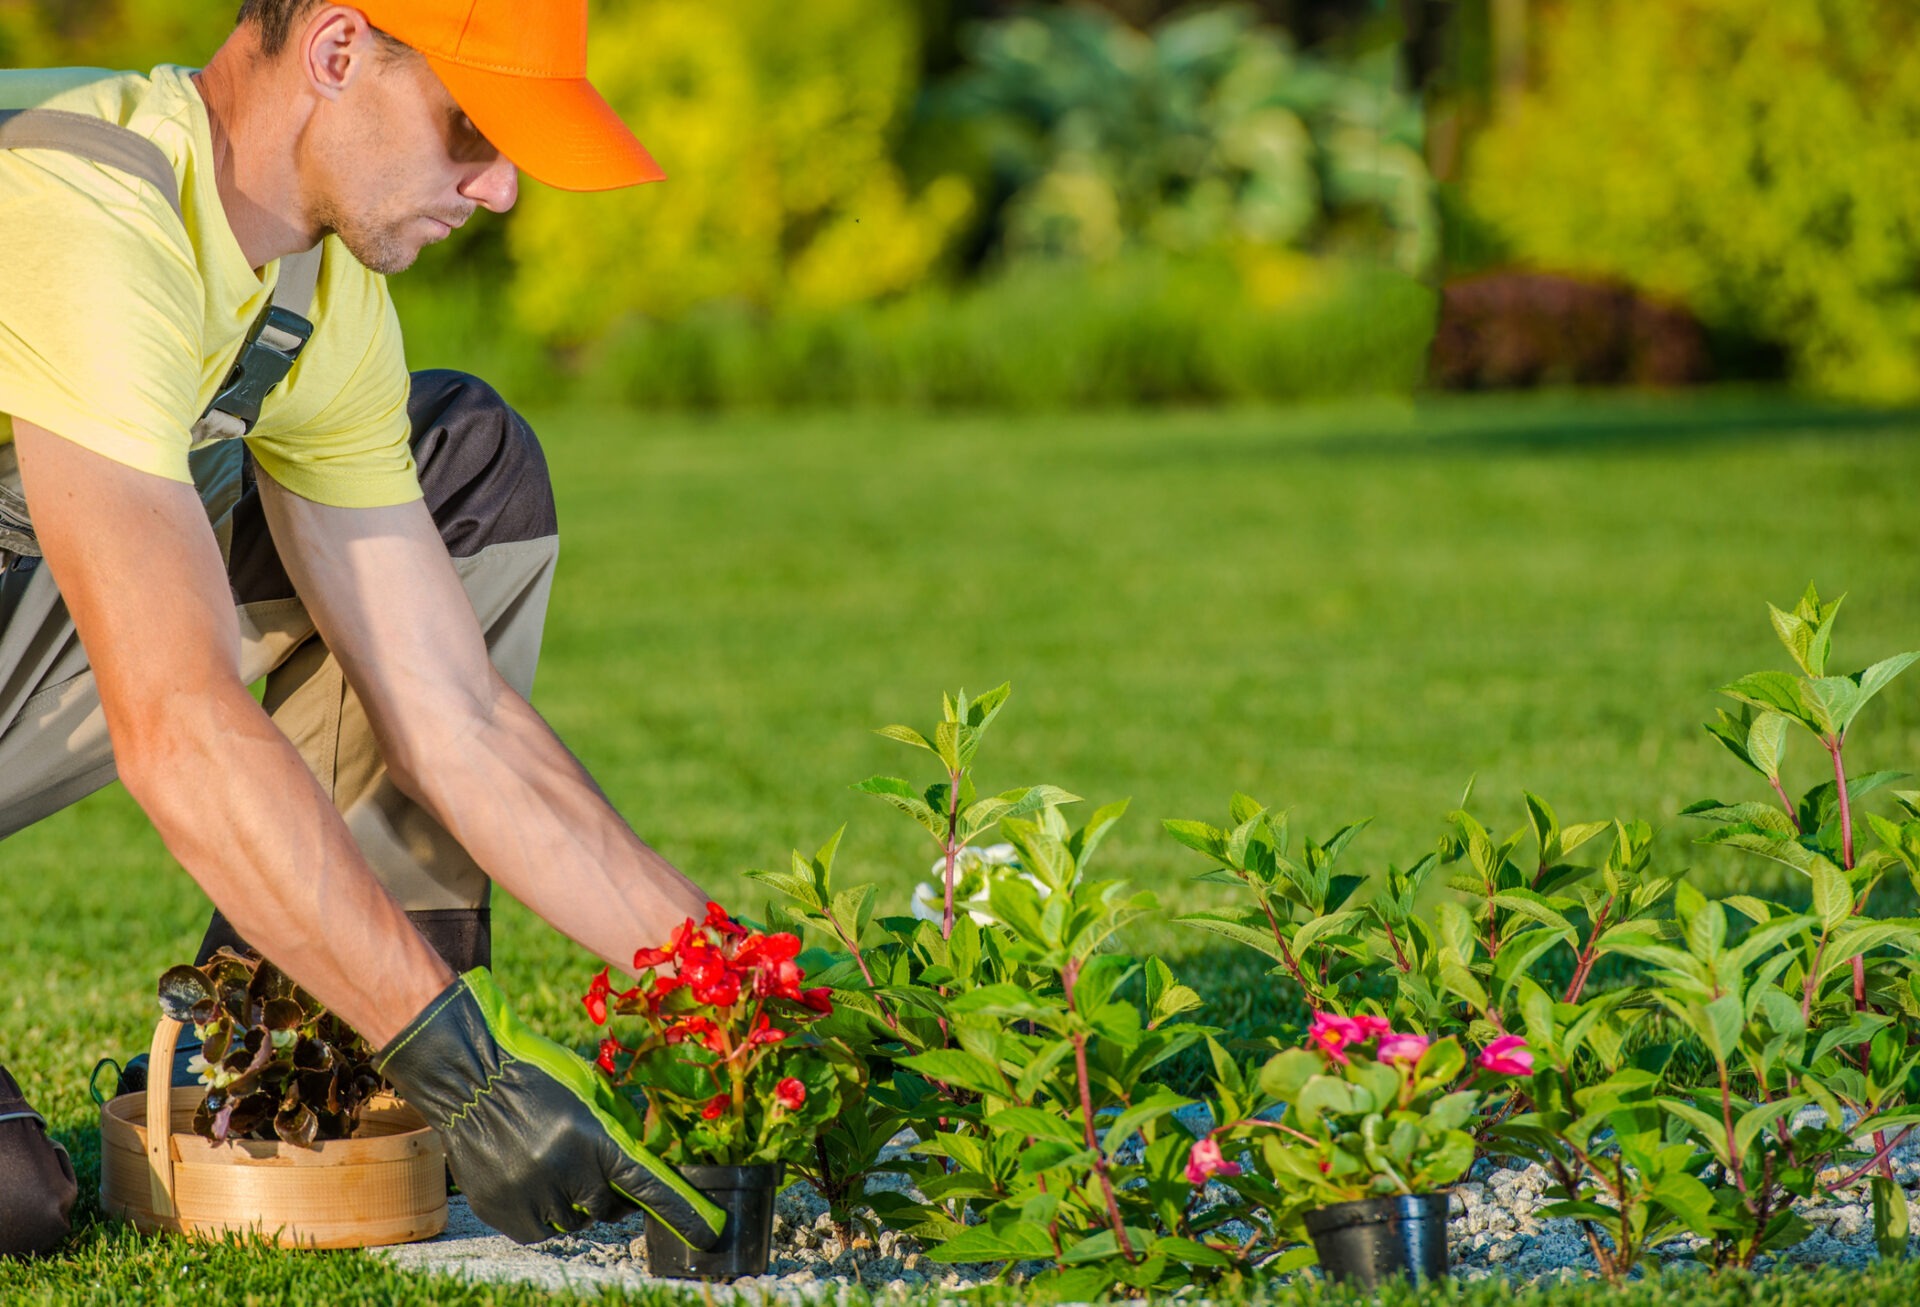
(1379, 1239)
(745, 1194)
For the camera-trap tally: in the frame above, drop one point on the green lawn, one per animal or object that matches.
(1347, 612)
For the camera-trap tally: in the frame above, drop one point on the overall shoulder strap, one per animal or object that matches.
(282, 328)
(91, 138)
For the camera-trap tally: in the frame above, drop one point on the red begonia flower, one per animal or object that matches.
(764, 1033)
(820, 1000)
(650, 957)
(609, 1047)
(765, 950)
(790, 1094)
(596, 998)
(717, 1108)
(717, 919)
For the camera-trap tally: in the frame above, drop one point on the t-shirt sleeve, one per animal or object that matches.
(100, 314)
(352, 451)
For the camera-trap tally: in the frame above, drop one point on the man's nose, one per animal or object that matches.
(494, 187)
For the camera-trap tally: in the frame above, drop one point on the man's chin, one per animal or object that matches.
(385, 256)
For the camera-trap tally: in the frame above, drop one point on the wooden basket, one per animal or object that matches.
(386, 1184)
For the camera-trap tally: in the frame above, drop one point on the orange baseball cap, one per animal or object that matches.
(518, 69)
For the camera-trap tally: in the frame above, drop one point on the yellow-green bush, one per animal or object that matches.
(133, 34)
(1753, 158)
(775, 128)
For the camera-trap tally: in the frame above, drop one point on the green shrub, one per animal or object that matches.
(777, 140)
(1749, 157)
(1143, 329)
(1208, 131)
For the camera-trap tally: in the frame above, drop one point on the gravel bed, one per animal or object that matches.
(1495, 1229)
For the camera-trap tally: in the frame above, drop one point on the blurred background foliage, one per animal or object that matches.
(1751, 159)
(945, 202)
(1032, 204)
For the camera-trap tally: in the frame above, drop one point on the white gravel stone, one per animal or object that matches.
(1495, 1229)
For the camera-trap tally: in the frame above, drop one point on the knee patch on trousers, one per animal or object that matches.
(37, 1184)
(481, 467)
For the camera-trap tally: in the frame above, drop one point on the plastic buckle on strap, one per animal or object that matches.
(268, 355)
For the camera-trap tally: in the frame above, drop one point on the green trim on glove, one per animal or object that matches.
(575, 1074)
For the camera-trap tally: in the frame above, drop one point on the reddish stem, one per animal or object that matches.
(1587, 954)
(1726, 1112)
(1786, 803)
(952, 849)
(1398, 956)
(861, 958)
(1069, 975)
(1834, 746)
(1286, 954)
(1882, 1153)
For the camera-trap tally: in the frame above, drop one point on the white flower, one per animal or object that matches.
(211, 1074)
(974, 873)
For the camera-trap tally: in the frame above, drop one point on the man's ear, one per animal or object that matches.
(336, 45)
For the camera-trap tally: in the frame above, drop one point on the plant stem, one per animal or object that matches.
(1786, 803)
(1286, 954)
(861, 958)
(1726, 1114)
(1053, 1224)
(952, 849)
(1587, 954)
(1884, 1150)
(1069, 975)
(1806, 989)
(1398, 956)
(1834, 746)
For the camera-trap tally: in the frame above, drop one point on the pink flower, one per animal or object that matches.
(1205, 1160)
(1404, 1049)
(1507, 1056)
(790, 1094)
(1330, 1033)
(1372, 1027)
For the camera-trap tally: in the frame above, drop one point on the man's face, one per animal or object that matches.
(397, 166)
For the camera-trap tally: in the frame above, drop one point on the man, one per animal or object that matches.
(381, 557)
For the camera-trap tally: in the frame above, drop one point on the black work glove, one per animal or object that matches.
(538, 1140)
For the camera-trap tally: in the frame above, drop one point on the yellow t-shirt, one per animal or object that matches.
(118, 325)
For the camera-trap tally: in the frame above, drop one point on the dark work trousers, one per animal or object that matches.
(485, 481)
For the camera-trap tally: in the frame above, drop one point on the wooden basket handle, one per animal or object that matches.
(166, 1036)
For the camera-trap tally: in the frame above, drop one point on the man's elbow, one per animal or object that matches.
(164, 739)
(439, 737)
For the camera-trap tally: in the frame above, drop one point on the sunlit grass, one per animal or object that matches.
(1346, 611)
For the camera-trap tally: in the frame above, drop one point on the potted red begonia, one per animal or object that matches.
(736, 1083)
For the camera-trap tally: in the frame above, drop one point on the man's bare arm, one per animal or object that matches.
(458, 739)
(138, 567)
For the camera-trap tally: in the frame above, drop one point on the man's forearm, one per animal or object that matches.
(238, 807)
(531, 816)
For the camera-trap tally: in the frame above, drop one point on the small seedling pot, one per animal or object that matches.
(1379, 1239)
(386, 1184)
(745, 1194)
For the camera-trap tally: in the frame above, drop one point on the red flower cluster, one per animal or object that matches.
(733, 976)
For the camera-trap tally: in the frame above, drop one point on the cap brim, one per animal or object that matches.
(557, 130)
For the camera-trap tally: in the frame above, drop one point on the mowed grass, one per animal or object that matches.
(1347, 612)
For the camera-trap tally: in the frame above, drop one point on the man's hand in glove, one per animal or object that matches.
(538, 1140)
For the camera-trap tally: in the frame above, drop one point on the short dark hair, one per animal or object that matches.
(275, 19)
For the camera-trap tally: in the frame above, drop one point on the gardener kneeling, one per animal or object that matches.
(214, 468)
